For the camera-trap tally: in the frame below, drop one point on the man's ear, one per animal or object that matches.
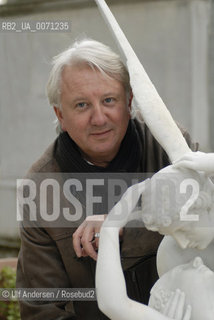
(59, 115)
(130, 100)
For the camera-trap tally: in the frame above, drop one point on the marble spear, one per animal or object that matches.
(149, 103)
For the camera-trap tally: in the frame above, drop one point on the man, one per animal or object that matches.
(91, 96)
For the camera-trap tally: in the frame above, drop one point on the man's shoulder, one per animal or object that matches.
(154, 156)
(46, 163)
(150, 139)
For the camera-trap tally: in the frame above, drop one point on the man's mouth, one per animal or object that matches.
(101, 133)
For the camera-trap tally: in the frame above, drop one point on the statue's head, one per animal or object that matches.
(194, 279)
(174, 195)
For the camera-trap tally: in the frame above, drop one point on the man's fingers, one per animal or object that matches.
(77, 235)
(87, 244)
(96, 242)
(84, 243)
(93, 253)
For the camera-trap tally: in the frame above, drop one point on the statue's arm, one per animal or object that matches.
(197, 161)
(149, 103)
(110, 283)
(122, 212)
(111, 287)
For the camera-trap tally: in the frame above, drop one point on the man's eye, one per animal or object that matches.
(109, 100)
(81, 104)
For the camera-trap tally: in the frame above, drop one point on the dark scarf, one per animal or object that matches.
(127, 159)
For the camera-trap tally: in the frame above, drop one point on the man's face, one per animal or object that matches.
(94, 112)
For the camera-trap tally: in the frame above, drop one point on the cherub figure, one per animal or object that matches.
(196, 280)
(192, 235)
(179, 202)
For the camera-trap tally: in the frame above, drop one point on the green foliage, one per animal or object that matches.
(9, 310)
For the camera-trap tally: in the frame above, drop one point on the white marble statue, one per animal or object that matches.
(110, 283)
(191, 235)
(193, 278)
(177, 201)
(148, 102)
(180, 202)
(199, 161)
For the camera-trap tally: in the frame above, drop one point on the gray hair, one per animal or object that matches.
(93, 53)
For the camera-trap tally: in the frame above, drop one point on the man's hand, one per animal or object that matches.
(84, 242)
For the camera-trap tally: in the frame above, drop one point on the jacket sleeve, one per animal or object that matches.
(38, 251)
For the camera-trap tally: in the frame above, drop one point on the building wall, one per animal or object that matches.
(172, 38)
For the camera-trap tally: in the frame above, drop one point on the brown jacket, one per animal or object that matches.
(47, 258)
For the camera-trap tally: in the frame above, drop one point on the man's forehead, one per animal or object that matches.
(68, 70)
(74, 75)
(83, 76)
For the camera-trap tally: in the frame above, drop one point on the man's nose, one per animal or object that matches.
(98, 117)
